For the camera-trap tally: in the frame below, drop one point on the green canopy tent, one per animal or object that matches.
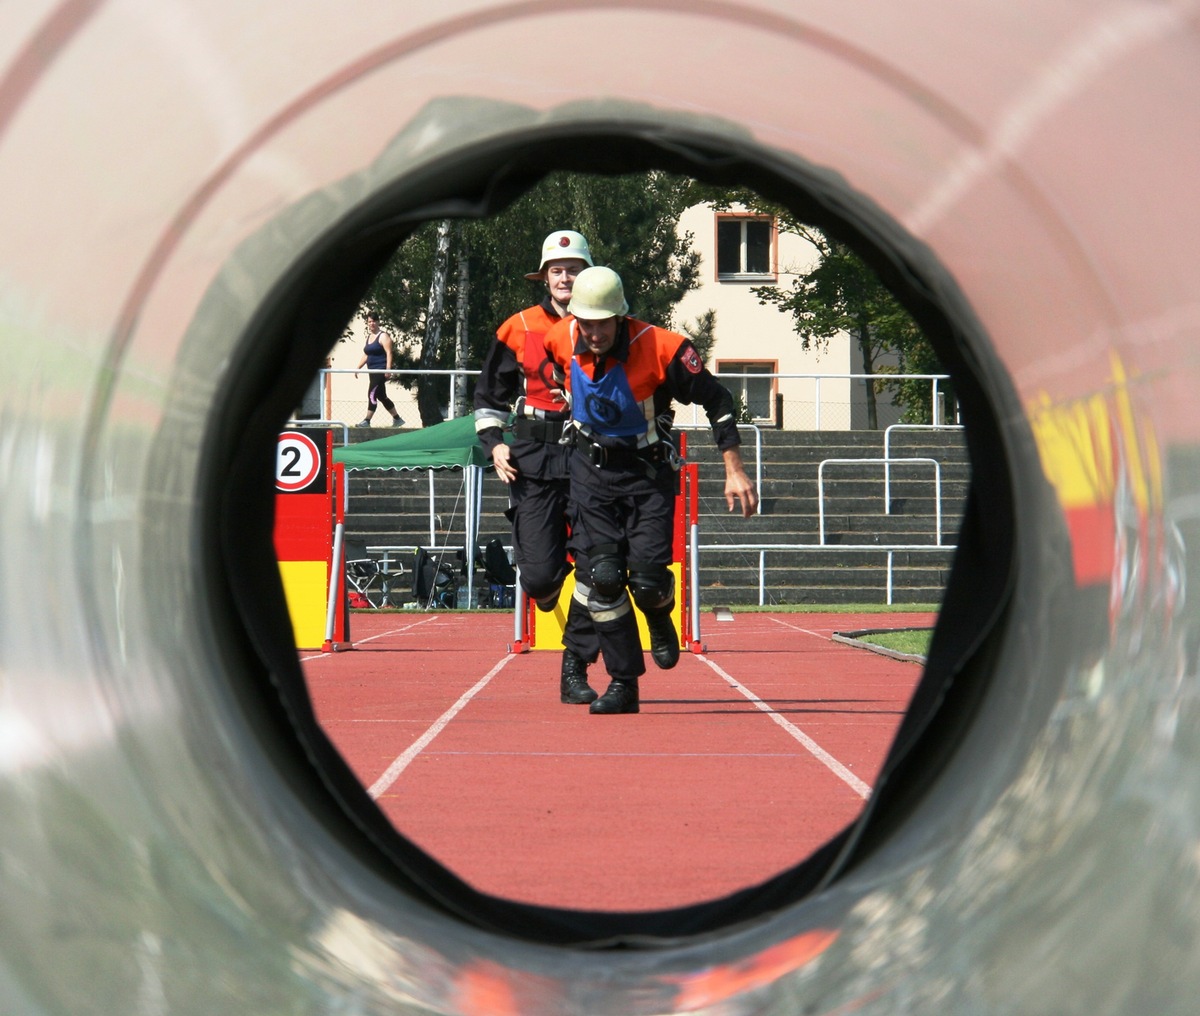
(449, 445)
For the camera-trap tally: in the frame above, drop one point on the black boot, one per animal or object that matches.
(574, 687)
(621, 697)
(664, 643)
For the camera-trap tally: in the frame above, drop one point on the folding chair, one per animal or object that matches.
(361, 572)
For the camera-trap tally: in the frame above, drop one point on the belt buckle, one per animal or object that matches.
(597, 454)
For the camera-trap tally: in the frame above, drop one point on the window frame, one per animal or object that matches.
(738, 385)
(743, 218)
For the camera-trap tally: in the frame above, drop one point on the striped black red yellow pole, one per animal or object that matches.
(304, 518)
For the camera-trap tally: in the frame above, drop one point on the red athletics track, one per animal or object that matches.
(741, 762)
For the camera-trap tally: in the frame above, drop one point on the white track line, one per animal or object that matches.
(803, 631)
(393, 771)
(321, 655)
(821, 755)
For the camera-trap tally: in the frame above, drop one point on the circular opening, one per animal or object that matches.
(309, 305)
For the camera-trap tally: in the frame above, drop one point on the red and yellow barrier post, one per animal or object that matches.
(306, 503)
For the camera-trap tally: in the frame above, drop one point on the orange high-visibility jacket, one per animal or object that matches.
(659, 366)
(518, 373)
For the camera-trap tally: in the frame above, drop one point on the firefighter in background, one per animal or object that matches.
(518, 376)
(623, 375)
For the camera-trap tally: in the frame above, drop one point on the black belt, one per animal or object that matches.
(545, 431)
(623, 456)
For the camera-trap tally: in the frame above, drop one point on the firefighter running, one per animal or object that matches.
(518, 376)
(623, 376)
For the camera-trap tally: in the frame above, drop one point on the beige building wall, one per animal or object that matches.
(748, 332)
(345, 398)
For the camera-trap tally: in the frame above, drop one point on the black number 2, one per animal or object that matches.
(290, 468)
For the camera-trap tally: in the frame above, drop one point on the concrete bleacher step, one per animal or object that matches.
(392, 508)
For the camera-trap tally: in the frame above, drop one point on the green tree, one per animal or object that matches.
(630, 222)
(703, 333)
(914, 395)
(841, 293)
(838, 293)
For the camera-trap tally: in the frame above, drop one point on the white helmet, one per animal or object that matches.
(598, 294)
(563, 243)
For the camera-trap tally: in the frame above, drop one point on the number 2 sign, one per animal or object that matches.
(304, 526)
(298, 462)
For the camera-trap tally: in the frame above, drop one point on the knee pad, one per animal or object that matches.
(608, 572)
(652, 586)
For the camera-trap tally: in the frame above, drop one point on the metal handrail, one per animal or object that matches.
(818, 379)
(301, 424)
(887, 454)
(758, 445)
(456, 374)
(937, 470)
(763, 548)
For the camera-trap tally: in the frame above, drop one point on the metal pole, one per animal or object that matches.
(469, 533)
(334, 582)
(694, 585)
(518, 611)
(821, 501)
(887, 472)
(432, 534)
(758, 466)
(937, 472)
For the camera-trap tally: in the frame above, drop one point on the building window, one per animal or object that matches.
(757, 394)
(745, 246)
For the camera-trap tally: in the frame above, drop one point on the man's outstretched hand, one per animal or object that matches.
(739, 488)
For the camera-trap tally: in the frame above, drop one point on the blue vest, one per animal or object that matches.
(606, 406)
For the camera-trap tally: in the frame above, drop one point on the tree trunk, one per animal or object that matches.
(427, 387)
(868, 359)
(462, 400)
